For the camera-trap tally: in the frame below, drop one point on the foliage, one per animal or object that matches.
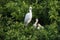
(12, 14)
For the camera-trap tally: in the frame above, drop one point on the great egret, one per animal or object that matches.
(35, 24)
(28, 17)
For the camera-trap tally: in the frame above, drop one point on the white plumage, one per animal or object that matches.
(40, 26)
(35, 24)
(28, 17)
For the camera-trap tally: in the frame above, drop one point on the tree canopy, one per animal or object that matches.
(12, 13)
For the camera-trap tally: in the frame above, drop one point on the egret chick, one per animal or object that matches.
(28, 17)
(35, 24)
(40, 26)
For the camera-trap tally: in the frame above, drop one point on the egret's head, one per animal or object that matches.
(36, 19)
(30, 8)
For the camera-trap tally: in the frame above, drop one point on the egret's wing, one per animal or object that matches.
(27, 17)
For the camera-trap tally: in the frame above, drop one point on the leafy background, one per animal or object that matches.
(12, 13)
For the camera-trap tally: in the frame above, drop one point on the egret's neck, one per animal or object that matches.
(30, 11)
(36, 22)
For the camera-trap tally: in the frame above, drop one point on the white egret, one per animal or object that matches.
(40, 26)
(28, 17)
(35, 24)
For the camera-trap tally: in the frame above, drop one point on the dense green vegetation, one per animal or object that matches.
(12, 13)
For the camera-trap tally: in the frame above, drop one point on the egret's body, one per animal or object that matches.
(28, 17)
